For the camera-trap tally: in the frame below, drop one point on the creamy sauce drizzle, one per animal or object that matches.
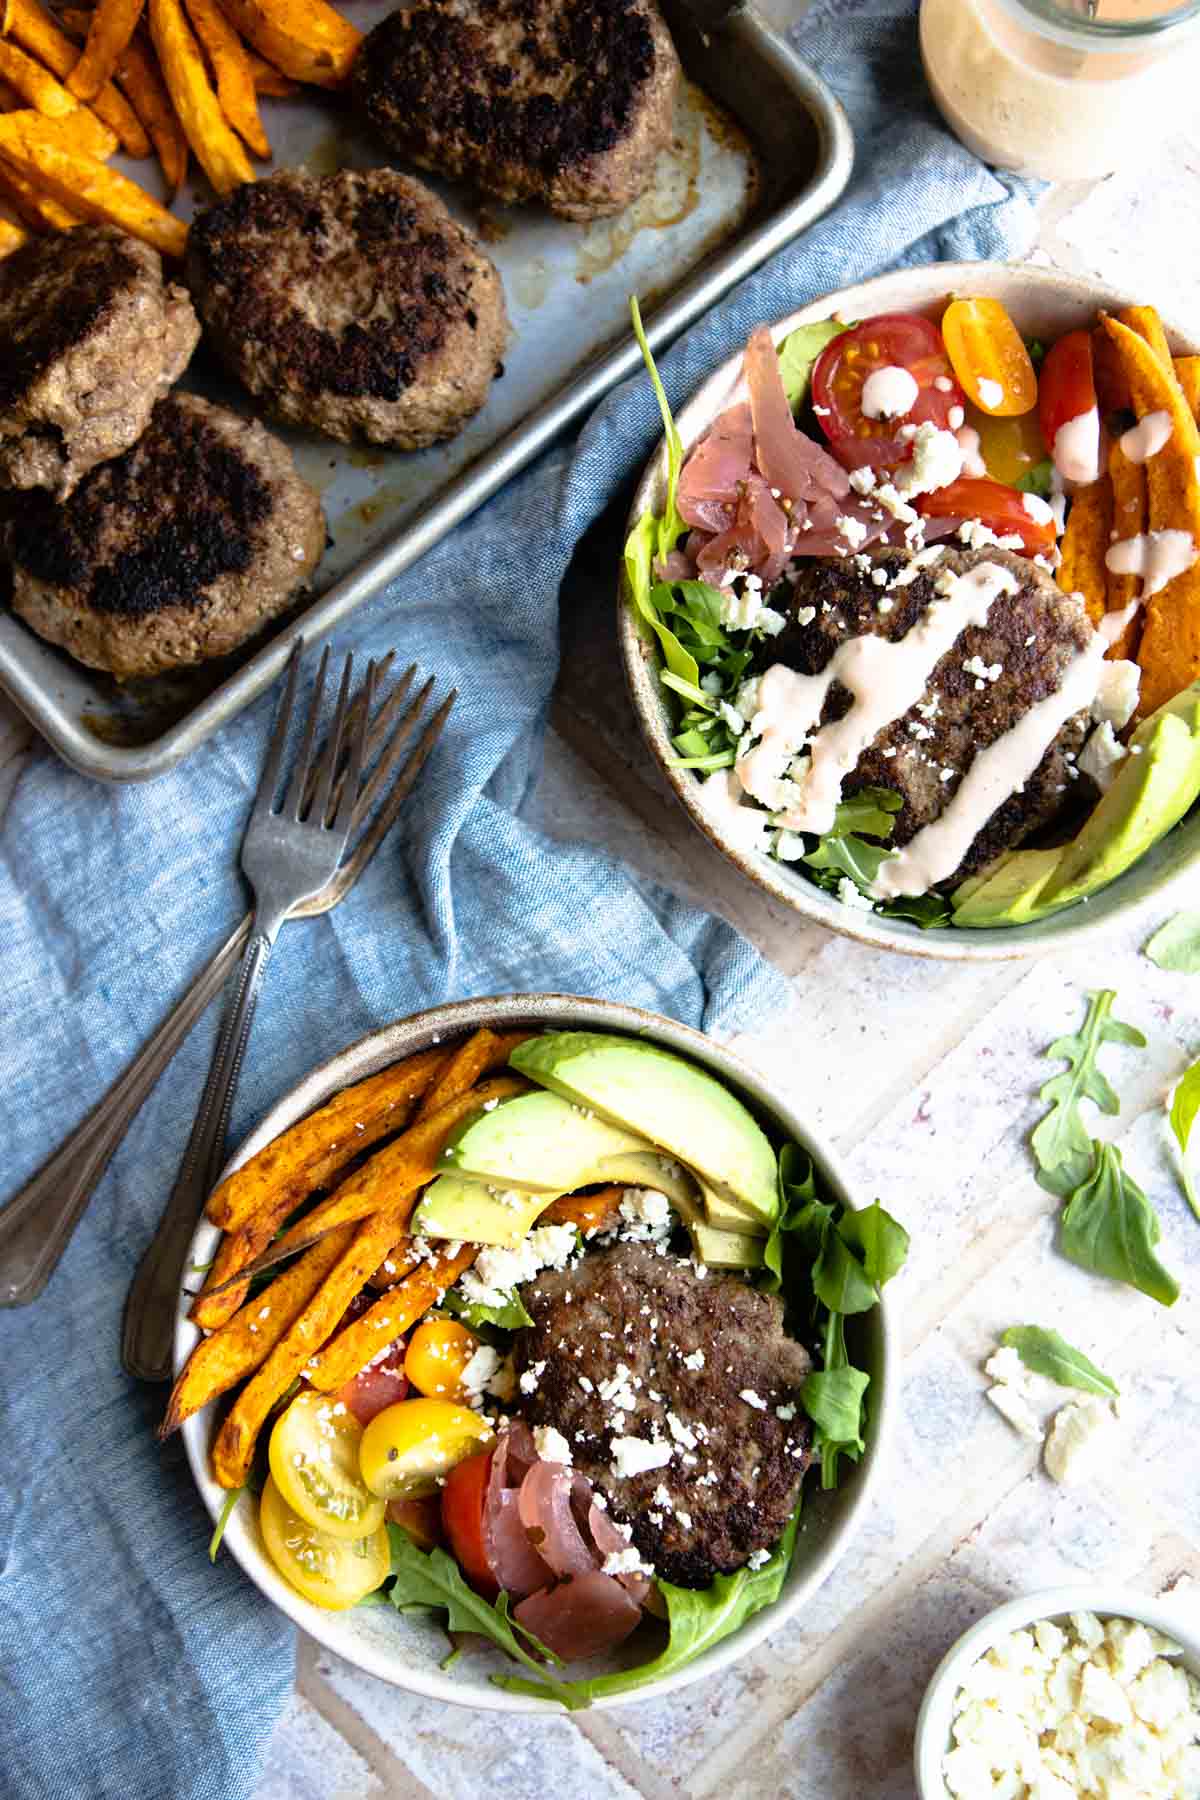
(1157, 556)
(1077, 448)
(1147, 437)
(885, 678)
(889, 393)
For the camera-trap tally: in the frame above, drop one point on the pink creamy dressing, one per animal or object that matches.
(1157, 556)
(1147, 437)
(1077, 448)
(968, 443)
(889, 393)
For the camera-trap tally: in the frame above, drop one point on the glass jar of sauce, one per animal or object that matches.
(1064, 89)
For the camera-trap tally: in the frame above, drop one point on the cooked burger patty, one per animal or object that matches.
(353, 304)
(633, 1344)
(89, 339)
(175, 552)
(982, 686)
(563, 101)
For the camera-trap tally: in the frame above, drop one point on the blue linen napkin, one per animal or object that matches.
(130, 1667)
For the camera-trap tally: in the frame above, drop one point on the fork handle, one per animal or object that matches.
(37, 1222)
(148, 1327)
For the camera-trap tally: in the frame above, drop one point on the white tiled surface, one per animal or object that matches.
(925, 1075)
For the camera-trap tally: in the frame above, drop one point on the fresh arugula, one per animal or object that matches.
(799, 352)
(1048, 1354)
(880, 1240)
(1109, 1225)
(509, 1317)
(844, 851)
(430, 1580)
(223, 1518)
(697, 1619)
(1184, 1107)
(930, 911)
(1037, 480)
(1037, 351)
(1064, 1148)
(1176, 945)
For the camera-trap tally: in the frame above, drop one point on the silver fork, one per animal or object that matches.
(37, 1222)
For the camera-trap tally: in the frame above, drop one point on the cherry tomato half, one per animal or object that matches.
(422, 1519)
(989, 357)
(1068, 391)
(463, 1497)
(889, 341)
(1002, 509)
(380, 1385)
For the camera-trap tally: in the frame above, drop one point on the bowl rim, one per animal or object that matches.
(640, 661)
(402, 1037)
(1108, 1600)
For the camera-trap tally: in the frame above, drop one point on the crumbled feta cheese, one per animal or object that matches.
(758, 1559)
(497, 1270)
(694, 1359)
(530, 1378)
(1016, 1410)
(753, 1399)
(852, 896)
(479, 1372)
(626, 1562)
(1116, 692)
(680, 1432)
(633, 1456)
(551, 1445)
(647, 1214)
(1005, 1365)
(1101, 756)
(937, 460)
(852, 530)
(1079, 1440)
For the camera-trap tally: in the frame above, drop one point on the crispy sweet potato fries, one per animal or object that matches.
(368, 1152)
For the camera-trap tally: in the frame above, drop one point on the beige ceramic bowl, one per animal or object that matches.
(406, 1650)
(1043, 305)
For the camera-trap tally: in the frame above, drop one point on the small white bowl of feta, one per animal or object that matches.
(1075, 1690)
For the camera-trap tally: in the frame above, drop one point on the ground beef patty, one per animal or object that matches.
(631, 1343)
(564, 101)
(1029, 639)
(89, 339)
(353, 304)
(176, 552)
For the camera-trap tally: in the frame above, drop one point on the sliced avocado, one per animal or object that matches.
(539, 1142)
(726, 1249)
(674, 1104)
(1153, 788)
(476, 1212)
(724, 1215)
(1011, 893)
(739, 1249)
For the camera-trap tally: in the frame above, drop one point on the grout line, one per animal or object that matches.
(606, 1737)
(399, 1782)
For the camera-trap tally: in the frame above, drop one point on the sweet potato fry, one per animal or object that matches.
(38, 210)
(12, 236)
(246, 1340)
(307, 39)
(396, 1174)
(43, 151)
(354, 1346)
(1128, 481)
(308, 1155)
(268, 80)
(218, 149)
(237, 1249)
(233, 1450)
(1187, 374)
(587, 1212)
(235, 83)
(137, 73)
(40, 90)
(1085, 541)
(1169, 652)
(112, 25)
(1149, 327)
(483, 1053)
(395, 1266)
(29, 25)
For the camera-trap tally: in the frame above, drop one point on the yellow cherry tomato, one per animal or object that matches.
(408, 1447)
(332, 1572)
(1009, 447)
(989, 358)
(314, 1459)
(438, 1352)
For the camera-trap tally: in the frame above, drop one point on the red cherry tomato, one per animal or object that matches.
(379, 1385)
(463, 1497)
(421, 1517)
(1002, 509)
(890, 341)
(1067, 388)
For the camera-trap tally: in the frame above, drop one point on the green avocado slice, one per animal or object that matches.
(540, 1143)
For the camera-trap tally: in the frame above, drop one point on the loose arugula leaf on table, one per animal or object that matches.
(1048, 1354)
(1184, 1107)
(1176, 945)
(697, 1618)
(1063, 1146)
(509, 1317)
(430, 1580)
(1037, 480)
(1108, 1225)
(797, 354)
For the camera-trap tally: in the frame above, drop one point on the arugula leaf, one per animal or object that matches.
(802, 1217)
(1037, 351)
(851, 856)
(882, 1240)
(1184, 1107)
(1176, 945)
(797, 354)
(697, 1618)
(671, 526)
(1061, 1143)
(641, 547)
(223, 1518)
(509, 1317)
(1046, 1353)
(431, 1580)
(1109, 1225)
(868, 812)
(1037, 480)
(839, 1279)
(929, 911)
(832, 1398)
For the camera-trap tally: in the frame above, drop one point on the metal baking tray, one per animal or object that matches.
(761, 150)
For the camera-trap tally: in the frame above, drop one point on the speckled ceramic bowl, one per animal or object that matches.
(1106, 1599)
(405, 1650)
(1044, 305)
